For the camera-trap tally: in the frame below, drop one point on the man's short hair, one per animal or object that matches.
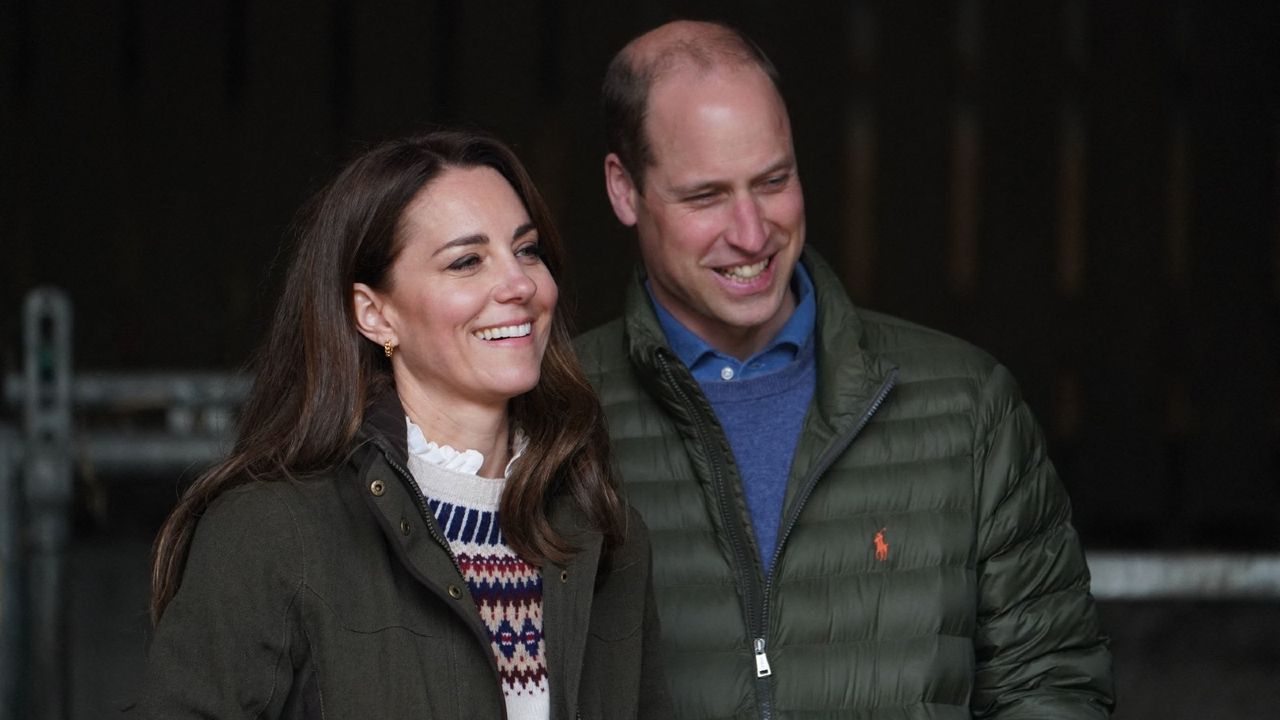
(632, 74)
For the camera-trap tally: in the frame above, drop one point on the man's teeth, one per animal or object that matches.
(745, 272)
(508, 331)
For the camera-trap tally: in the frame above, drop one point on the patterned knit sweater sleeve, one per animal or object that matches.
(506, 589)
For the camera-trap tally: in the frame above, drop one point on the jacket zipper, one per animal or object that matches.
(407, 478)
(824, 464)
(749, 582)
(757, 622)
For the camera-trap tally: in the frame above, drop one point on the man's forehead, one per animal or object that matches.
(685, 86)
(707, 131)
(687, 95)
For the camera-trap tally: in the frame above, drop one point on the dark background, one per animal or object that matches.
(1086, 189)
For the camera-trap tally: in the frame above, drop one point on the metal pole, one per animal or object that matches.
(48, 480)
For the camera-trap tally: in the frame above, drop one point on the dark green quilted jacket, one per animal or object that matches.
(926, 565)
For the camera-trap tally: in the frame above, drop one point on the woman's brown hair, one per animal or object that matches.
(315, 374)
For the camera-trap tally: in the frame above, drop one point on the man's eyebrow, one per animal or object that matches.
(476, 239)
(695, 188)
(787, 164)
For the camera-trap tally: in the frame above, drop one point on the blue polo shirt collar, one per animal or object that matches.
(710, 365)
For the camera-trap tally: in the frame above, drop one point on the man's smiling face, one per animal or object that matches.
(721, 215)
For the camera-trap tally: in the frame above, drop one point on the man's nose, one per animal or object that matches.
(748, 232)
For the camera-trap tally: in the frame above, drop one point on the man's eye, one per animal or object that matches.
(465, 262)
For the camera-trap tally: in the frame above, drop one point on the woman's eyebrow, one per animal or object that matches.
(523, 229)
(476, 239)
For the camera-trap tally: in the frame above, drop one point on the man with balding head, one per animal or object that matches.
(852, 516)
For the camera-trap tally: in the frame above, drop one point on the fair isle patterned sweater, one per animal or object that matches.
(506, 589)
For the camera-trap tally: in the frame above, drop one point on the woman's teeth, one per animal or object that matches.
(744, 272)
(508, 331)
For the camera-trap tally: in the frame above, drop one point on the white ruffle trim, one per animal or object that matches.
(468, 461)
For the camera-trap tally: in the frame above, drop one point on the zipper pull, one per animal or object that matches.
(762, 660)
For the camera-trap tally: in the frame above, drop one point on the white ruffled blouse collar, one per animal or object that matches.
(467, 462)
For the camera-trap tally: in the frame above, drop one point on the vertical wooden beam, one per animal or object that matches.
(130, 62)
(1178, 261)
(966, 152)
(340, 74)
(1179, 410)
(19, 53)
(551, 150)
(1067, 405)
(966, 168)
(858, 258)
(1072, 190)
(1071, 209)
(237, 50)
(1072, 148)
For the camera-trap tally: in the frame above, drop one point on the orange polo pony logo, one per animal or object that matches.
(882, 546)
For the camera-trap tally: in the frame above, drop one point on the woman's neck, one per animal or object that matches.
(484, 430)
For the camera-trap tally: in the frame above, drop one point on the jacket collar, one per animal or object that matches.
(847, 370)
(384, 426)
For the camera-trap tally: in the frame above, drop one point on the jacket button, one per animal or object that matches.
(564, 576)
(455, 592)
(404, 526)
(377, 488)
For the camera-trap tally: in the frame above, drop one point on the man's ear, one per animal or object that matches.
(623, 194)
(371, 317)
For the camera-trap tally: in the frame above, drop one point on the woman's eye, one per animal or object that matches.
(465, 262)
(531, 250)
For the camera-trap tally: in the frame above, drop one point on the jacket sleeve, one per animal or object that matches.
(1039, 649)
(223, 648)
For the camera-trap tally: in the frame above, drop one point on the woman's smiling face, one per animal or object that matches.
(470, 300)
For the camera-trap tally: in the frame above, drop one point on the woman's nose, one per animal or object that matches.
(516, 284)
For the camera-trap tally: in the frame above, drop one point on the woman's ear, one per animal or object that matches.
(371, 318)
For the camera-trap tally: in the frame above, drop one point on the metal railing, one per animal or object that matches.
(38, 463)
(1184, 576)
(39, 459)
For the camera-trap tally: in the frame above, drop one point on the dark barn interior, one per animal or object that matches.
(1087, 190)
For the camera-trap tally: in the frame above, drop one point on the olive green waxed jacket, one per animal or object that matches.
(335, 597)
(926, 565)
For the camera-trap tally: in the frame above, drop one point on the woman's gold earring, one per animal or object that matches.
(388, 348)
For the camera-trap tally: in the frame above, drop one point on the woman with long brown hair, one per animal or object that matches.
(418, 518)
